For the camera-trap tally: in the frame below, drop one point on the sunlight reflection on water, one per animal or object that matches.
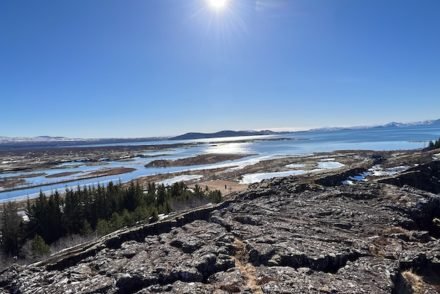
(230, 148)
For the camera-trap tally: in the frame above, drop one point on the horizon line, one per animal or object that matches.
(274, 129)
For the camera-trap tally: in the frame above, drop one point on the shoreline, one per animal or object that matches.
(276, 165)
(112, 172)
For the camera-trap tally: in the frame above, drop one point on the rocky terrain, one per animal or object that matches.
(307, 234)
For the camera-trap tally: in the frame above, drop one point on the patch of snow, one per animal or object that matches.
(258, 177)
(378, 171)
(348, 183)
(296, 165)
(182, 178)
(23, 216)
(357, 178)
(329, 165)
(328, 159)
(361, 177)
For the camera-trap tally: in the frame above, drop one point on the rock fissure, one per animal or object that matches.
(282, 236)
(246, 268)
(327, 264)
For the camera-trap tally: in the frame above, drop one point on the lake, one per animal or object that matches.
(261, 148)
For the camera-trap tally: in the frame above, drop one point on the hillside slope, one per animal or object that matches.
(289, 235)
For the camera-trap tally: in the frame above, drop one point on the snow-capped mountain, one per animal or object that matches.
(388, 125)
(410, 124)
(35, 139)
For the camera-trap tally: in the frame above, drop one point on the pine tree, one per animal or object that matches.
(39, 247)
(161, 195)
(154, 216)
(127, 218)
(434, 144)
(102, 227)
(167, 207)
(86, 228)
(151, 194)
(140, 214)
(116, 222)
(10, 229)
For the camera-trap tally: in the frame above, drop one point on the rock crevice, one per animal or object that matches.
(282, 236)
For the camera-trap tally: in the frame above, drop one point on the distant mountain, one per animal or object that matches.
(434, 123)
(63, 141)
(44, 142)
(410, 124)
(222, 134)
(36, 139)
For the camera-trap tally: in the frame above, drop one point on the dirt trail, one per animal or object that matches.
(247, 270)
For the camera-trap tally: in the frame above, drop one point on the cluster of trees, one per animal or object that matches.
(434, 144)
(92, 210)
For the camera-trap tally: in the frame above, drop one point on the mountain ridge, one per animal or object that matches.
(201, 135)
(222, 134)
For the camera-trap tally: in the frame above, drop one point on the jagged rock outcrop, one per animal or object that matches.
(425, 177)
(282, 236)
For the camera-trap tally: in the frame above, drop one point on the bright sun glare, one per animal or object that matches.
(218, 4)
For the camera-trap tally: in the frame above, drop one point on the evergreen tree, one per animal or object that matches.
(116, 222)
(86, 228)
(10, 229)
(154, 215)
(102, 227)
(101, 208)
(54, 218)
(434, 144)
(127, 218)
(151, 194)
(161, 195)
(140, 214)
(39, 247)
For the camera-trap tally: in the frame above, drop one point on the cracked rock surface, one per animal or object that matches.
(281, 236)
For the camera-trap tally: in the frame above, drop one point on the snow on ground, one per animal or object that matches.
(182, 178)
(329, 165)
(23, 215)
(375, 171)
(361, 177)
(378, 171)
(321, 165)
(348, 183)
(358, 178)
(328, 159)
(258, 177)
(295, 165)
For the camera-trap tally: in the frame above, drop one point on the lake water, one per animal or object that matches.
(299, 143)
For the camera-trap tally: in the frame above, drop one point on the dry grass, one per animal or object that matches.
(224, 186)
(415, 281)
(246, 269)
(396, 230)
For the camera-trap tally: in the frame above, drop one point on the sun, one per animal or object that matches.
(218, 5)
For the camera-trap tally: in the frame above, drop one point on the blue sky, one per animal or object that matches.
(136, 68)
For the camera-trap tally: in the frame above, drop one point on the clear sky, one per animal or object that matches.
(135, 68)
